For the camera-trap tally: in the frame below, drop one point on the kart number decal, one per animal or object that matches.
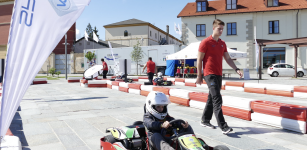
(190, 142)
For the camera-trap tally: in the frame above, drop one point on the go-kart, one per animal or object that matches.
(160, 82)
(134, 137)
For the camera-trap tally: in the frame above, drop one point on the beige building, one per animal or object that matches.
(272, 19)
(127, 32)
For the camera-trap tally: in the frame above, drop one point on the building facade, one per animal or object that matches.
(6, 7)
(246, 20)
(128, 32)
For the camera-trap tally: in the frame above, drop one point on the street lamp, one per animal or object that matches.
(66, 55)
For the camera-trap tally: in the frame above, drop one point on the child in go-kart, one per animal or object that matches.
(156, 118)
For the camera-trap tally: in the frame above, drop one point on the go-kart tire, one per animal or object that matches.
(110, 139)
(220, 147)
(138, 123)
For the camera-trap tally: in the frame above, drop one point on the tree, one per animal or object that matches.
(96, 32)
(89, 30)
(90, 56)
(137, 54)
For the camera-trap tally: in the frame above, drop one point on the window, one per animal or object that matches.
(200, 30)
(150, 33)
(273, 27)
(273, 55)
(231, 28)
(201, 6)
(273, 3)
(289, 66)
(231, 4)
(125, 33)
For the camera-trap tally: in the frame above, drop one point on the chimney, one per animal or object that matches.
(167, 31)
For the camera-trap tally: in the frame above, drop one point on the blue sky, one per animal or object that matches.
(157, 12)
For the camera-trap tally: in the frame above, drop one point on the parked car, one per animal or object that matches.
(282, 69)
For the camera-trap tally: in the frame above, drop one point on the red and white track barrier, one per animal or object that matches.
(146, 89)
(97, 83)
(134, 91)
(124, 87)
(115, 83)
(179, 81)
(83, 82)
(234, 86)
(161, 89)
(280, 115)
(109, 84)
(280, 122)
(237, 102)
(180, 96)
(300, 91)
(190, 82)
(237, 107)
(197, 104)
(136, 86)
(114, 87)
(223, 85)
(39, 81)
(255, 88)
(143, 80)
(74, 79)
(280, 90)
(123, 84)
(142, 77)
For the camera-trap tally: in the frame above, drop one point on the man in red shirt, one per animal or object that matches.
(151, 68)
(104, 68)
(210, 58)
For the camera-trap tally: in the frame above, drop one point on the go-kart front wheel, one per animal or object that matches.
(221, 147)
(110, 139)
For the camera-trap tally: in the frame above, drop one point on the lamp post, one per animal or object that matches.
(66, 55)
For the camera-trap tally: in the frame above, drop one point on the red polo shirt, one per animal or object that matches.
(105, 64)
(214, 52)
(150, 66)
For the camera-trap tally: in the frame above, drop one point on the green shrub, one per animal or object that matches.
(52, 71)
(58, 73)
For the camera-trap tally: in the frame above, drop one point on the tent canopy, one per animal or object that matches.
(191, 52)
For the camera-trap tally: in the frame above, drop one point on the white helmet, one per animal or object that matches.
(155, 98)
(159, 74)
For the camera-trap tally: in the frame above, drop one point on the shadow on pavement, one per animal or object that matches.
(80, 99)
(16, 128)
(252, 130)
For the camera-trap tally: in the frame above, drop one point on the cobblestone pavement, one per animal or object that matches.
(61, 115)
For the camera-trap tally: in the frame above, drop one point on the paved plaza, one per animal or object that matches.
(61, 115)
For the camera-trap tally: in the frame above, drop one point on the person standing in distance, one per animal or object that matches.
(104, 68)
(210, 57)
(151, 68)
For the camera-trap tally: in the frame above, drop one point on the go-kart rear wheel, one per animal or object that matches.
(221, 147)
(110, 139)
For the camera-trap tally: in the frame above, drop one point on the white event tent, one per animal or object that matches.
(191, 52)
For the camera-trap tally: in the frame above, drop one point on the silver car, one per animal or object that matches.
(282, 69)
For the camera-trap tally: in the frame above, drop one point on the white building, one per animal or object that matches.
(273, 20)
(127, 32)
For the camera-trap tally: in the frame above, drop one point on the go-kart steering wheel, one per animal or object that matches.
(176, 124)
